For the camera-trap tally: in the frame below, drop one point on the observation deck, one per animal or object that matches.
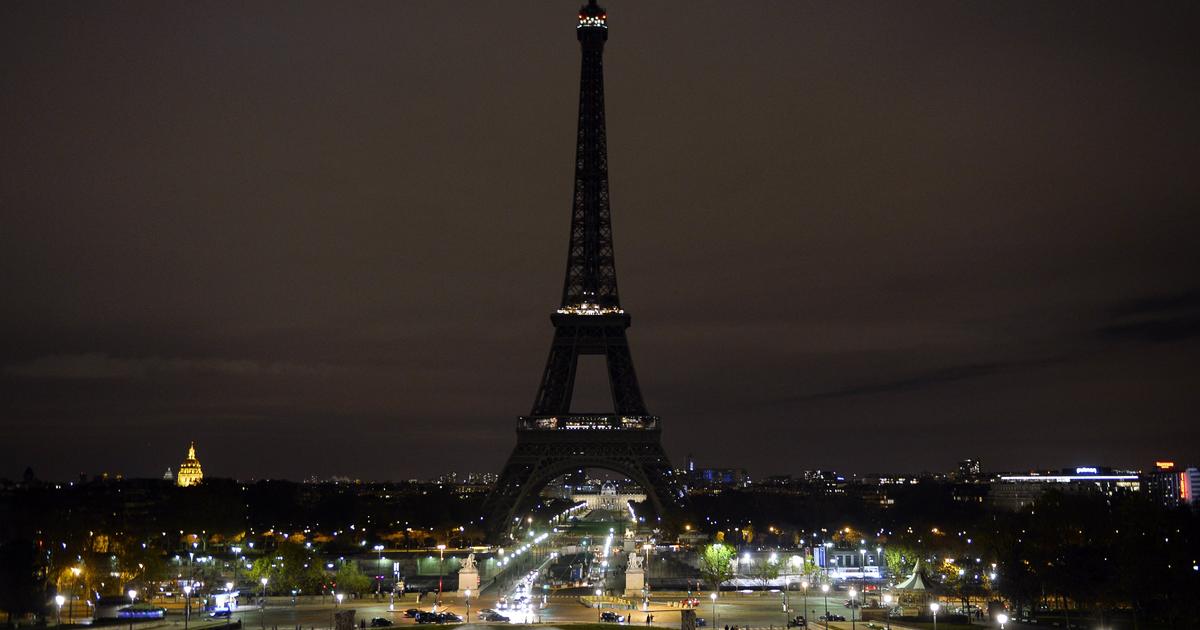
(588, 422)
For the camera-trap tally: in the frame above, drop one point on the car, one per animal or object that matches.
(425, 616)
(611, 617)
(701, 622)
(448, 617)
(220, 613)
(798, 622)
(142, 611)
(493, 616)
(380, 622)
(831, 617)
(412, 612)
(485, 611)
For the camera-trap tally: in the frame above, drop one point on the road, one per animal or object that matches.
(752, 610)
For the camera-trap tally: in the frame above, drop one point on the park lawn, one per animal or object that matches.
(928, 625)
(544, 626)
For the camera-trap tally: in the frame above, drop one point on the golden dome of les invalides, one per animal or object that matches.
(190, 473)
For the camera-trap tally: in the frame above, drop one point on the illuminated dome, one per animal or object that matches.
(190, 473)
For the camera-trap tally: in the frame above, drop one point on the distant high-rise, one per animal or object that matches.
(968, 469)
(1191, 488)
(1164, 484)
(190, 472)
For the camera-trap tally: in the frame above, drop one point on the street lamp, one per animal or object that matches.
(1003, 619)
(853, 595)
(379, 581)
(887, 602)
(339, 597)
(825, 592)
(132, 599)
(468, 594)
(598, 613)
(935, 607)
(862, 567)
(713, 596)
(804, 585)
(263, 604)
(60, 600)
(441, 564)
(237, 560)
(75, 571)
(187, 603)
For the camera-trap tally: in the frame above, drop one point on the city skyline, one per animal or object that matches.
(291, 240)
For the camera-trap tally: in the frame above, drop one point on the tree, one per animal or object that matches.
(351, 580)
(291, 567)
(765, 571)
(20, 589)
(264, 568)
(716, 564)
(899, 560)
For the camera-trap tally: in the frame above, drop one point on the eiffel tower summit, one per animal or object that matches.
(551, 440)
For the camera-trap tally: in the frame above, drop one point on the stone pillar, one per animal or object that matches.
(635, 575)
(468, 579)
(344, 620)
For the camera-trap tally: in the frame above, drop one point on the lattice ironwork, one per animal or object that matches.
(591, 267)
(552, 441)
(537, 461)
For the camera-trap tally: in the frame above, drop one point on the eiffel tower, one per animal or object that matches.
(551, 440)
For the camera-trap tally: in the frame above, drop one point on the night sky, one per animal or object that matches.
(325, 238)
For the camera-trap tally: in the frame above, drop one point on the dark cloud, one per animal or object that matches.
(920, 381)
(1160, 318)
(1158, 304)
(102, 366)
(1155, 331)
(325, 240)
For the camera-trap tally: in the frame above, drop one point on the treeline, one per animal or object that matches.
(149, 509)
(1089, 554)
(100, 537)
